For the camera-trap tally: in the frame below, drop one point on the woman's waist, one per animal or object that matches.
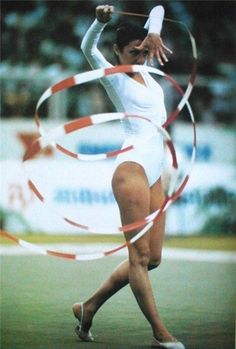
(139, 126)
(151, 140)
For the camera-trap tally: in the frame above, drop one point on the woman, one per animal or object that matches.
(136, 181)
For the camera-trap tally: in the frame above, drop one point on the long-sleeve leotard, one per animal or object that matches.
(127, 94)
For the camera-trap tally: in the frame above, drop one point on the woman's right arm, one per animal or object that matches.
(92, 36)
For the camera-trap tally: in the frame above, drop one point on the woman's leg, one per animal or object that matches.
(117, 280)
(157, 232)
(120, 276)
(135, 199)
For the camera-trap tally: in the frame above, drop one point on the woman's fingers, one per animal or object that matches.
(159, 53)
(163, 54)
(167, 49)
(156, 48)
(104, 13)
(108, 9)
(151, 57)
(159, 58)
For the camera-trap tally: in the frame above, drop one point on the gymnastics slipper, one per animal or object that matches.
(83, 335)
(167, 345)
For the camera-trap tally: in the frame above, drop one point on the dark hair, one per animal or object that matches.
(127, 32)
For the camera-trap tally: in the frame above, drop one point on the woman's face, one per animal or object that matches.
(130, 54)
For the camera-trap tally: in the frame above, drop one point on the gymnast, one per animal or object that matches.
(136, 181)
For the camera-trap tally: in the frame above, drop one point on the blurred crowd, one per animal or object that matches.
(41, 45)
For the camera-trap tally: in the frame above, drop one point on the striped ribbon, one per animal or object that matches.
(78, 257)
(49, 137)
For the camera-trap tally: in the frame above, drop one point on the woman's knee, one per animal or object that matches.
(140, 258)
(154, 262)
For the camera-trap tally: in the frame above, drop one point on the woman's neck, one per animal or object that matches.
(137, 77)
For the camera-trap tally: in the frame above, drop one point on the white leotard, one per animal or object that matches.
(133, 97)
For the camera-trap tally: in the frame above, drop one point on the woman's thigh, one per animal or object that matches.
(136, 200)
(131, 191)
(157, 231)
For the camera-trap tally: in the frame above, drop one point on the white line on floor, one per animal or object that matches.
(168, 253)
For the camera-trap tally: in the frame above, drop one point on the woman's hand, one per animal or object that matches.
(156, 48)
(104, 13)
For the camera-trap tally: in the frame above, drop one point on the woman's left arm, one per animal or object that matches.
(153, 41)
